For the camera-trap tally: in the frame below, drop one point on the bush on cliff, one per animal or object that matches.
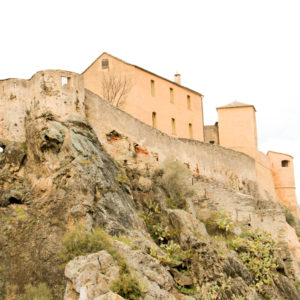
(175, 180)
(40, 292)
(79, 241)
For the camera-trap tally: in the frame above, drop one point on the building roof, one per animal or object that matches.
(236, 104)
(285, 154)
(173, 82)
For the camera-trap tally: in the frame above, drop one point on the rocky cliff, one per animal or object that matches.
(95, 214)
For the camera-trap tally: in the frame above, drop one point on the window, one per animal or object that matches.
(171, 95)
(154, 119)
(190, 130)
(188, 101)
(212, 142)
(152, 88)
(104, 63)
(66, 80)
(173, 126)
(284, 163)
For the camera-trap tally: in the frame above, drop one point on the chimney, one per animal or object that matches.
(177, 78)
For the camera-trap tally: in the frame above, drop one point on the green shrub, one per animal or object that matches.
(256, 250)
(157, 222)
(41, 292)
(127, 285)
(79, 241)
(219, 222)
(290, 219)
(177, 182)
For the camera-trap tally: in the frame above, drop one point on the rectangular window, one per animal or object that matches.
(152, 88)
(173, 126)
(104, 63)
(154, 119)
(190, 130)
(64, 80)
(171, 95)
(188, 101)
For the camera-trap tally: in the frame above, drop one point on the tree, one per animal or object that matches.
(115, 88)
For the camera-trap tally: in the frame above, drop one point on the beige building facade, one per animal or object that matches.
(178, 111)
(236, 129)
(154, 100)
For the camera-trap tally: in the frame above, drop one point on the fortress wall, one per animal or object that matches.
(283, 176)
(13, 95)
(229, 167)
(264, 174)
(44, 92)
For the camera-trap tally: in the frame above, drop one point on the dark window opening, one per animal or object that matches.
(212, 142)
(104, 63)
(152, 85)
(284, 163)
(13, 200)
(154, 119)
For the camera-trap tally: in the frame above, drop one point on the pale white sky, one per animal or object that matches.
(245, 50)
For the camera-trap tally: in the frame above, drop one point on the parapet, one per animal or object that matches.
(54, 91)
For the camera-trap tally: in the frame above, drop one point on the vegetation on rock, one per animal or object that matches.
(40, 292)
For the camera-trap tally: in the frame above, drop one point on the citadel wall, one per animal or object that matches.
(233, 169)
(53, 91)
(284, 181)
(62, 93)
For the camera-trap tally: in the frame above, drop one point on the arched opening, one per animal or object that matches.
(154, 119)
(190, 130)
(173, 126)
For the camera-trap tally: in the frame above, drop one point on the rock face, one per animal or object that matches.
(60, 177)
(57, 173)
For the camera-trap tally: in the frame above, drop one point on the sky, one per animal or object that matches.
(244, 50)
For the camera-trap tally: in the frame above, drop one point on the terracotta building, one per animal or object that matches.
(158, 102)
(178, 111)
(236, 129)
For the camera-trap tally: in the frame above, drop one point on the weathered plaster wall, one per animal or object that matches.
(237, 129)
(141, 103)
(42, 93)
(234, 169)
(283, 176)
(264, 175)
(211, 134)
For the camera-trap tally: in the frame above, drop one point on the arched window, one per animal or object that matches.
(190, 130)
(173, 126)
(154, 119)
(152, 84)
(188, 101)
(171, 95)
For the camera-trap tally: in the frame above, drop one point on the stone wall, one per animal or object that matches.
(231, 168)
(211, 134)
(264, 175)
(50, 91)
